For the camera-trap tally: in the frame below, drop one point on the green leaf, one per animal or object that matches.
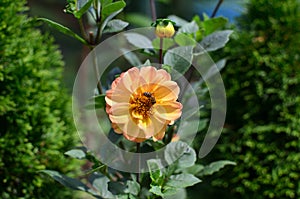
(138, 20)
(179, 21)
(182, 180)
(101, 184)
(133, 188)
(167, 43)
(156, 190)
(214, 70)
(131, 57)
(180, 58)
(214, 167)
(147, 63)
(156, 172)
(179, 194)
(105, 2)
(180, 152)
(138, 40)
(69, 182)
(76, 153)
(116, 188)
(194, 170)
(63, 29)
(184, 40)
(78, 14)
(214, 24)
(110, 8)
(216, 40)
(167, 68)
(115, 25)
(189, 28)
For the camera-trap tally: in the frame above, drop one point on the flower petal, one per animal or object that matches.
(168, 111)
(168, 91)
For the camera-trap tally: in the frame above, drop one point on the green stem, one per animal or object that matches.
(98, 34)
(138, 150)
(82, 29)
(99, 86)
(161, 43)
(153, 10)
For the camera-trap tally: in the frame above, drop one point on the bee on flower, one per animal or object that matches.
(142, 103)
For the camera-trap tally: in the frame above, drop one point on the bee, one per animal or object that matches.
(150, 96)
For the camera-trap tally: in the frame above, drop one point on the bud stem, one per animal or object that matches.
(138, 150)
(153, 10)
(161, 43)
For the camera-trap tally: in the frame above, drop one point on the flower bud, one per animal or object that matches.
(164, 28)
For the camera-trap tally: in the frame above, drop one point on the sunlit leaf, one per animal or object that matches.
(115, 25)
(216, 40)
(215, 166)
(179, 194)
(78, 14)
(111, 8)
(190, 27)
(76, 153)
(179, 21)
(167, 43)
(184, 40)
(180, 58)
(100, 182)
(132, 187)
(156, 172)
(180, 152)
(63, 29)
(214, 24)
(194, 170)
(156, 190)
(182, 180)
(138, 40)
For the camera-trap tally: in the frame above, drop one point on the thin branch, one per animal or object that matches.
(153, 10)
(216, 9)
(82, 29)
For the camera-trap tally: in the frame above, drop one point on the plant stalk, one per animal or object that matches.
(138, 150)
(216, 9)
(161, 43)
(153, 10)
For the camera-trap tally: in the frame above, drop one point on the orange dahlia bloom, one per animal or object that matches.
(142, 102)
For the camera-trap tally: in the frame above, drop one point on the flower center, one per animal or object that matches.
(141, 105)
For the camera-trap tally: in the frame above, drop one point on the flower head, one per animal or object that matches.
(164, 28)
(142, 102)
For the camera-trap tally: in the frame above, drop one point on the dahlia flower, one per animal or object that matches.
(142, 102)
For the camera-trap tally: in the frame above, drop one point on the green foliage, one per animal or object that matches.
(35, 121)
(63, 29)
(165, 182)
(178, 54)
(263, 83)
